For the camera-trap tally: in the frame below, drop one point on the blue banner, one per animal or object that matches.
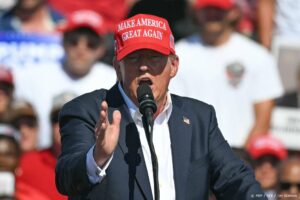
(29, 50)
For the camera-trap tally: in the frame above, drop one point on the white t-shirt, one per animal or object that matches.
(231, 77)
(287, 18)
(39, 85)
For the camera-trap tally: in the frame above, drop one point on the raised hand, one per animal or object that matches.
(107, 135)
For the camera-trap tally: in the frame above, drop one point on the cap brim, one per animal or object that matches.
(134, 47)
(223, 7)
(263, 152)
(68, 28)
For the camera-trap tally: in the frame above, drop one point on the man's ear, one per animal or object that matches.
(116, 65)
(174, 65)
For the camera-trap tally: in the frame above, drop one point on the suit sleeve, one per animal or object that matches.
(230, 177)
(77, 136)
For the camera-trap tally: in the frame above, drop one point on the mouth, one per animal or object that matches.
(145, 81)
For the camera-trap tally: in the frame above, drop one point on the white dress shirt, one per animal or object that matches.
(162, 145)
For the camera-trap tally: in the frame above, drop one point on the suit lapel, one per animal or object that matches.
(181, 135)
(129, 143)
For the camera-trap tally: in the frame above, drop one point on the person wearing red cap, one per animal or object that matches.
(266, 153)
(81, 69)
(105, 154)
(233, 73)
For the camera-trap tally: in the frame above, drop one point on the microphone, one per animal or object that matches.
(147, 105)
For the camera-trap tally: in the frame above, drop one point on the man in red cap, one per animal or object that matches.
(105, 153)
(231, 72)
(81, 69)
(267, 152)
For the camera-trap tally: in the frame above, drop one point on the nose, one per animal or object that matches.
(81, 44)
(144, 68)
(144, 64)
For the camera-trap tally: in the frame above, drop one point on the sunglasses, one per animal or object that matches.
(6, 88)
(91, 44)
(27, 121)
(288, 185)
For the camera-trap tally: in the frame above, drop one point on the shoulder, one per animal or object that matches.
(88, 99)
(191, 105)
(55, 15)
(188, 41)
(249, 45)
(90, 102)
(103, 67)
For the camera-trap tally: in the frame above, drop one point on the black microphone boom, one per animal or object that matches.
(147, 108)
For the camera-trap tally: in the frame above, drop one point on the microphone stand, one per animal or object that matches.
(148, 126)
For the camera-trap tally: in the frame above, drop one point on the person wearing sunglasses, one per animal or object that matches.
(289, 179)
(80, 71)
(266, 153)
(24, 119)
(38, 166)
(231, 72)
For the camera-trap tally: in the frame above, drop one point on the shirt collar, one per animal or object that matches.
(137, 116)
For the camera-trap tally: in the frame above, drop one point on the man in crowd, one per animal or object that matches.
(267, 152)
(289, 179)
(105, 154)
(79, 72)
(30, 16)
(38, 166)
(24, 119)
(9, 160)
(228, 70)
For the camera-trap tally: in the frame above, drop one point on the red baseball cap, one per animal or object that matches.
(223, 4)
(6, 75)
(267, 145)
(143, 31)
(83, 18)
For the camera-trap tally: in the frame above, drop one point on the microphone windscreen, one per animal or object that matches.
(144, 91)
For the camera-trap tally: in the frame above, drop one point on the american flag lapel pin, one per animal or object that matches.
(186, 120)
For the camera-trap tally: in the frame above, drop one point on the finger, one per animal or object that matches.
(103, 113)
(116, 118)
(100, 126)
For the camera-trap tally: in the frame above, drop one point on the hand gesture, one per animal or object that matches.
(107, 135)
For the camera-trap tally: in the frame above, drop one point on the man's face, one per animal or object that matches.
(81, 54)
(28, 129)
(9, 155)
(212, 20)
(266, 171)
(147, 66)
(5, 96)
(289, 182)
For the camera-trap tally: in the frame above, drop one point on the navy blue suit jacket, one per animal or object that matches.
(202, 159)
